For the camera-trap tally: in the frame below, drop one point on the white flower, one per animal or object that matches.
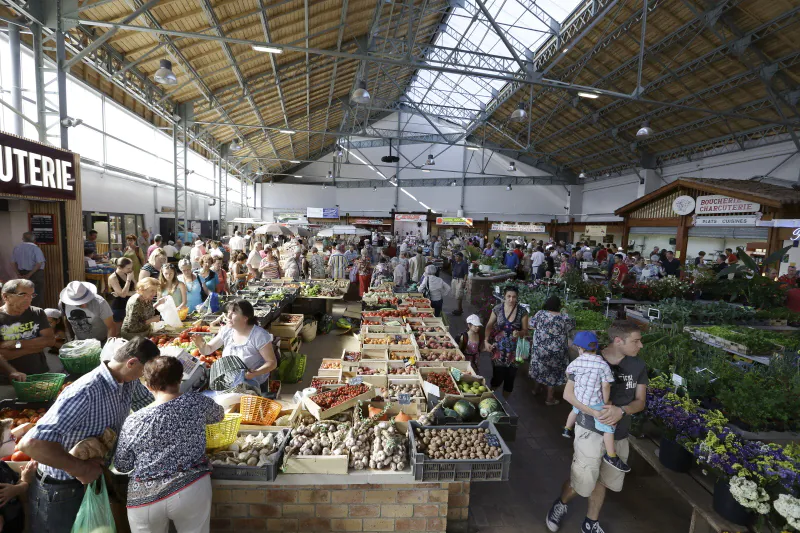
(748, 494)
(789, 508)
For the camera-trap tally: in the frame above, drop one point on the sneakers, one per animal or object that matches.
(555, 515)
(591, 526)
(568, 433)
(616, 462)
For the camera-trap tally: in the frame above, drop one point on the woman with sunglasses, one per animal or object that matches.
(172, 286)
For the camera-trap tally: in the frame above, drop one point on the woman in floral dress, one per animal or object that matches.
(549, 359)
(506, 324)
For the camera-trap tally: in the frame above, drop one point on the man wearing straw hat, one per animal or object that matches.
(88, 315)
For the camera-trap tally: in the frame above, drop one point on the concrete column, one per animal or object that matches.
(652, 181)
(574, 202)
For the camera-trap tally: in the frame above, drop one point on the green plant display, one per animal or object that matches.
(757, 341)
(586, 319)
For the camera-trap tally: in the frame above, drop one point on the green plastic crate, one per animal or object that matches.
(39, 387)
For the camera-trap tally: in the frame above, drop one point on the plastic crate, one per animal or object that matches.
(39, 387)
(458, 470)
(268, 472)
(258, 411)
(506, 425)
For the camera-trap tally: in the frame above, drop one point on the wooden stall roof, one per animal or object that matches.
(752, 191)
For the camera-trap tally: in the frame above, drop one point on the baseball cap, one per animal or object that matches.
(473, 320)
(584, 339)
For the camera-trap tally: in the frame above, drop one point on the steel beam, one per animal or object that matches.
(16, 77)
(38, 76)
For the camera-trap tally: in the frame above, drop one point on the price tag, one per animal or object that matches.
(356, 380)
(456, 373)
(678, 380)
(492, 440)
(431, 389)
(404, 398)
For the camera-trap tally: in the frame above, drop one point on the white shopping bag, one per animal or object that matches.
(112, 345)
(169, 313)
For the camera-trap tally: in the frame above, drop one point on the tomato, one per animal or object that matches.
(6, 458)
(10, 413)
(19, 456)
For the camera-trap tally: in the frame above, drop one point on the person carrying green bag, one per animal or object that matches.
(95, 512)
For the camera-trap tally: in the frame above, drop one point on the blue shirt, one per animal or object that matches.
(338, 265)
(26, 255)
(350, 255)
(90, 245)
(86, 408)
(460, 269)
(511, 260)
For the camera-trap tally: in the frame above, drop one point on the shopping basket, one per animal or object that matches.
(80, 356)
(39, 387)
(222, 434)
(224, 373)
(258, 411)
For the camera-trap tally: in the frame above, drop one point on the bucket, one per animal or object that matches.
(727, 507)
(674, 456)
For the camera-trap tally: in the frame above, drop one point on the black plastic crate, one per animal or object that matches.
(267, 472)
(506, 426)
(459, 470)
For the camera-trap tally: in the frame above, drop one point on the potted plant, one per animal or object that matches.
(679, 420)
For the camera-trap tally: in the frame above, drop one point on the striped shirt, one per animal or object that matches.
(26, 255)
(337, 265)
(86, 408)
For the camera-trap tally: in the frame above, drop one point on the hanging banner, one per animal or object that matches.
(282, 217)
(31, 169)
(595, 231)
(410, 218)
(717, 203)
(733, 220)
(454, 221)
(43, 228)
(322, 212)
(522, 228)
(368, 221)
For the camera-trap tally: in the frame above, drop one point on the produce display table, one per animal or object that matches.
(375, 501)
(691, 487)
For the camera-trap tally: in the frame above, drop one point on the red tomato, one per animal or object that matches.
(19, 456)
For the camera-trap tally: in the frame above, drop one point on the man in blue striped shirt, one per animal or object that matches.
(29, 261)
(100, 399)
(337, 263)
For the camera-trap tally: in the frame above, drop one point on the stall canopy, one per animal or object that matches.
(343, 230)
(274, 229)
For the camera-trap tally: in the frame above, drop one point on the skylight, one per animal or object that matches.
(467, 31)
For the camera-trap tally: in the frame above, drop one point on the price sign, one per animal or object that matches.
(492, 440)
(456, 373)
(678, 380)
(404, 398)
(431, 389)
(356, 380)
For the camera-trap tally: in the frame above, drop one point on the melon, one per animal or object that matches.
(466, 410)
(449, 413)
(495, 416)
(489, 406)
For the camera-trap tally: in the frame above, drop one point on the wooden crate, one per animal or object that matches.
(406, 380)
(384, 329)
(470, 379)
(434, 355)
(400, 364)
(381, 366)
(374, 340)
(374, 354)
(330, 371)
(292, 344)
(317, 412)
(285, 329)
(399, 353)
(313, 464)
(378, 382)
(424, 372)
(464, 366)
(345, 359)
(425, 340)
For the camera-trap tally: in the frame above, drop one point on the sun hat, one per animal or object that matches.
(78, 293)
(585, 339)
(474, 320)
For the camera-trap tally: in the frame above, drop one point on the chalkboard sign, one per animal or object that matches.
(492, 440)
(403, 398)
(43, 228)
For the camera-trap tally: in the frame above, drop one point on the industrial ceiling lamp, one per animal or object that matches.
(339, 152)
(512, 167)
(645, 131)
(374, 189)
(508, 188)
(330, 174)
(582, 174)
(519, 114)
(361, 95)
(430, 160)
(453, 184)
(236, 144)
(164, 74)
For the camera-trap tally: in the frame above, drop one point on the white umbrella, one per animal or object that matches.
(274, 229)
(325, 233)
(350, 230)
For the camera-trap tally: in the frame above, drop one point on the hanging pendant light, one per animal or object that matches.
(164, 74)
(430, 160)
(645, 131)
(512, 167)
(519, 114)
(361, 95)
(330, 174)
(236, 144)
(582, 174)
(508, 188)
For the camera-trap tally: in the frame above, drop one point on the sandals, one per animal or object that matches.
(551, 403)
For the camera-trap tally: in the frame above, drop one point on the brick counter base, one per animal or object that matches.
(320, 508)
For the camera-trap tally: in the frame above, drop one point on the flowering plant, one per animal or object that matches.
(789, 508)
(749, 495)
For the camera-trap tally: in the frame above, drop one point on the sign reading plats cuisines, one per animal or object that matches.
(32, 169)
(730, 220)
(716, 203)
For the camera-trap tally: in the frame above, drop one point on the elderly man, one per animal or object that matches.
(171, 250)
(437, 247)
(254, 260)
(157, 240)
(88, 315)
(144, 240)
(790, 278)
(352, 254)
(29, 261)
(98, 400)
(337, 263)
(417, 266)
(24, 329)
(236, 243)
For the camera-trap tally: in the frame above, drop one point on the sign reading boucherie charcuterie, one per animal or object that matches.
(716, 203)
(32, 169)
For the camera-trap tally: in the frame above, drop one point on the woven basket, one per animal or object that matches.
(258, 411)
(39, 387)
(222, 434)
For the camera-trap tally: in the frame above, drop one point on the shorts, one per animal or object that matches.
(599, 426)
(459, 286)
(119, 314)
(505, 376)
(588, 466)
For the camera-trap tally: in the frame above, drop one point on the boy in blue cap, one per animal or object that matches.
(593, 379)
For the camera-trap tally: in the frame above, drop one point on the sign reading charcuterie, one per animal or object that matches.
(716, 203)
(32, 169)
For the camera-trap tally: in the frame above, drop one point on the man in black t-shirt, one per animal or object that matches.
(24, 331)
(590, 476)
(671, 265)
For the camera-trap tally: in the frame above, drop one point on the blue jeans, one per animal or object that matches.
(53, 508)
(437, 307)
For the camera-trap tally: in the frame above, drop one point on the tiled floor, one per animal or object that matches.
(540, 464)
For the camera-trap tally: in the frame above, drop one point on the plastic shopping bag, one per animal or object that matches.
(95, 513)
(523, 350)
(112, 345)
(169, 313)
